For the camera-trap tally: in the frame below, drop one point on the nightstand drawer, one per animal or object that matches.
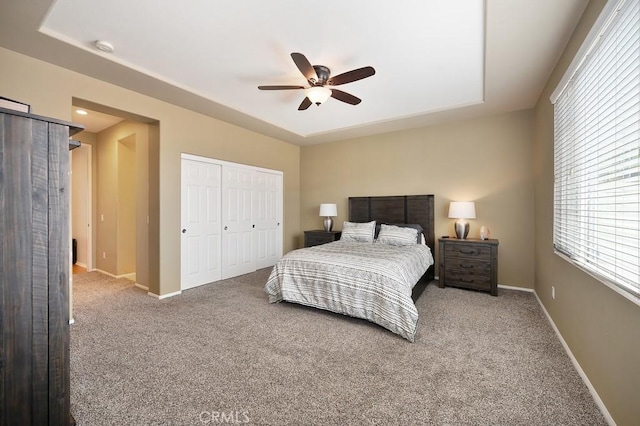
(476, 282)
(472, 273)
(315, 238)
(466, 266)
(468, 251)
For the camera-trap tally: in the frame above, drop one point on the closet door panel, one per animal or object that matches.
(237, 220)
(267, 197)
(201, 223)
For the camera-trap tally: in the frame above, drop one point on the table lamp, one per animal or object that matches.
(328, 211)
(462, 210)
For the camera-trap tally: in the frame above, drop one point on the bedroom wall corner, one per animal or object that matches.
(495, 171)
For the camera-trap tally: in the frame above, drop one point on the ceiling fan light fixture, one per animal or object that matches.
(318, 94)
(318, 76)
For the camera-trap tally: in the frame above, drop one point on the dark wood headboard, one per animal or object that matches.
(397, 209)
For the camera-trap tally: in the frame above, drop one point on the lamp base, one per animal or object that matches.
(328, 223)
(462, 229)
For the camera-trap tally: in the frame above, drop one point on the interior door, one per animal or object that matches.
(237, 221)
(267, 203)
(200, 242)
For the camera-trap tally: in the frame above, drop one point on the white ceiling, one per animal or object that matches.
(435, 60)
(94, 121)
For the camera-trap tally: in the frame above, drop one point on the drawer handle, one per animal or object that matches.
(468, 251)
(466, 266)
(466, 281)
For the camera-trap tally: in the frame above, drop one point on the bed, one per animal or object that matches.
(377, 281)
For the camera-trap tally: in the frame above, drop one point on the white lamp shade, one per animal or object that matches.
(318, 94)
(328, 210)
(462, 210)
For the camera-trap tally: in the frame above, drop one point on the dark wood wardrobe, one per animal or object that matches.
(34, 269)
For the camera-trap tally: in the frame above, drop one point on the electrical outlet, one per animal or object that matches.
(553, 292)
(104, 255)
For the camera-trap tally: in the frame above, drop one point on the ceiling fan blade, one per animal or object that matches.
(279, 87)
(345, 97)
(353, 75)
(306, 103)
(305, 67)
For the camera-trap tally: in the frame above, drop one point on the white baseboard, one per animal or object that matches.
(83, 265)
(581, 372)
(130, 277)
(164, 296)
(72, 321)
(144, 287)
(508, 287)
(105, 272)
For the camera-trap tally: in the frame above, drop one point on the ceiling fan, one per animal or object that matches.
(319, 76)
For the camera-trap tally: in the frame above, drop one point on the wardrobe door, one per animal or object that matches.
(267, 196)
(34, 266)
(201, 224)
(238, 222)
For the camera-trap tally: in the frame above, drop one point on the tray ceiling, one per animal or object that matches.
(434, 60)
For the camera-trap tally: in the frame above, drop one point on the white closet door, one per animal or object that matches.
(267, 196)
(200, 242)
(237, 221)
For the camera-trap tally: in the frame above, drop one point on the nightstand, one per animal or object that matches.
(317, 237)
(470, 263)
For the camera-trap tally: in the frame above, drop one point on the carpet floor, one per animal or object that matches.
(221, 354)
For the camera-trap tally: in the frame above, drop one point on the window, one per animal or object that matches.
(597, 152)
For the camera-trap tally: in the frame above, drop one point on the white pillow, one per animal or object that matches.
(397, 236)
(358, 232)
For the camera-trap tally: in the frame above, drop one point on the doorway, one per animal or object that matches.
(123, 208)
(81, 209)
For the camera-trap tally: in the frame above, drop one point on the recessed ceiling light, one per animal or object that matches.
(81, 112)
(104, 46)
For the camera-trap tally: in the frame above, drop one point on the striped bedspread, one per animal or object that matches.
(372, 281)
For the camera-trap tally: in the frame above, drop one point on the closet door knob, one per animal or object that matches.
(253, 226)
(184, 231)
(225, 228)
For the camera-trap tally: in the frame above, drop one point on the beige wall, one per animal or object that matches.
(601, 327)
(122, 207)
(486, 160)
(50, 89)
(107, 213)
(127, 206)
(153, 173)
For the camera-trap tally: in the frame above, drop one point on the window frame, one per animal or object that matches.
(593, 40)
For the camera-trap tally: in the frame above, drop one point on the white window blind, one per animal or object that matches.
(597, 155)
